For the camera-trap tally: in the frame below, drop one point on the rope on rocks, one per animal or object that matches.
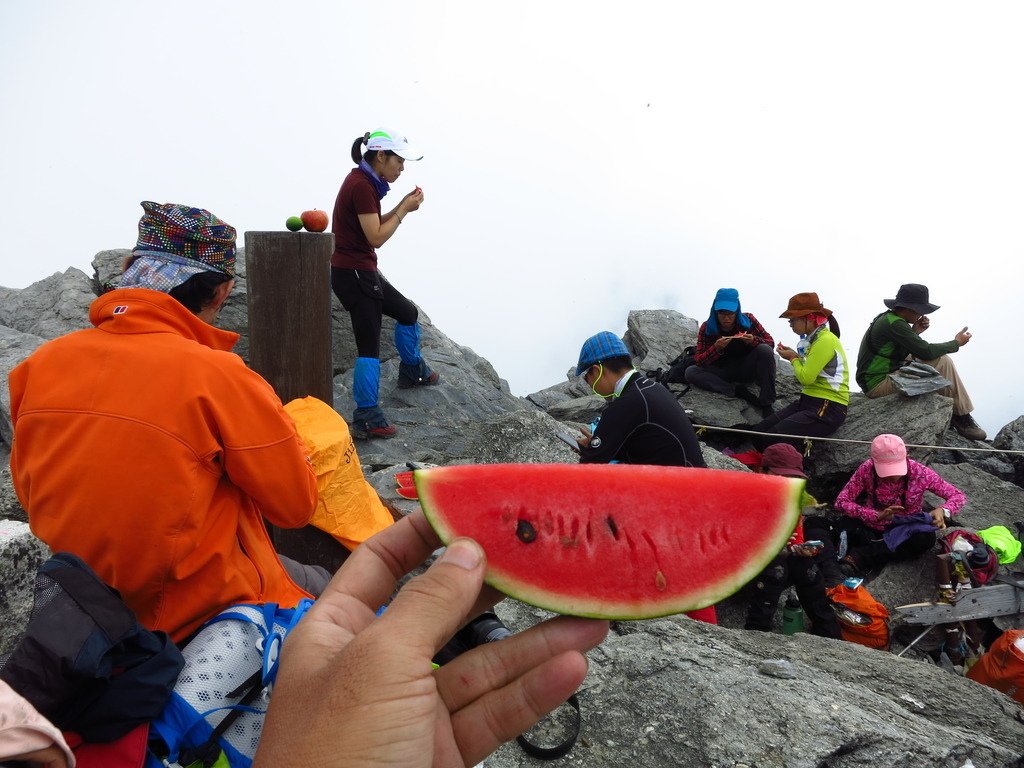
(809, 440)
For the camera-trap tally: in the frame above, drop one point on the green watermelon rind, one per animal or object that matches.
(576, 605)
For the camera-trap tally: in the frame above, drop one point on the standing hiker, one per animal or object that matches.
(894, 337)
(734, 349)
(359, 229)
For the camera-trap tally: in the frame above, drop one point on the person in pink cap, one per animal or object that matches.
(885, 506)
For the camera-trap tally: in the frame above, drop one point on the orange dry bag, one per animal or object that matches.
(1002, 666)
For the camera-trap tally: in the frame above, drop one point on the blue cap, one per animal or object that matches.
(600, 346)
(727, 299)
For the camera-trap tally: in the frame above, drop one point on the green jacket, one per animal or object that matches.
(890, 340)
(824, 372)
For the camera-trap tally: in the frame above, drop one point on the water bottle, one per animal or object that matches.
(803, 345)
(792, 616)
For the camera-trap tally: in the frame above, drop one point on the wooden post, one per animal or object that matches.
(288, 289)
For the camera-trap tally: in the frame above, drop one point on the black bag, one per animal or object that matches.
(677, 368)
(85, 662)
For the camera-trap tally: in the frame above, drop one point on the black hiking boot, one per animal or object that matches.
(967, 427)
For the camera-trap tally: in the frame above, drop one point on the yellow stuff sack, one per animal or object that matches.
(347, 506)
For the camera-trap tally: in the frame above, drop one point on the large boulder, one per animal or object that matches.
(15, 346)
(682, 693)
(21, 554)
(49, 308)
(657, 336)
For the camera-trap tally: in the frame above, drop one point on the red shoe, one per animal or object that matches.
(388, 430)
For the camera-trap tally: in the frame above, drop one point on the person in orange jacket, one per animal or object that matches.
(148, 449)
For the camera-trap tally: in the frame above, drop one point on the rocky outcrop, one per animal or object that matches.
(672, 691)
(21, 554)
(676, 692)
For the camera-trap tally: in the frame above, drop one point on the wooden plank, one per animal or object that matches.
(288, 286)
(980, 603)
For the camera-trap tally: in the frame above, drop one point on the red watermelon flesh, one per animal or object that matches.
(614, 541)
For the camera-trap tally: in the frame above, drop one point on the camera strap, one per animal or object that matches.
(559, 750)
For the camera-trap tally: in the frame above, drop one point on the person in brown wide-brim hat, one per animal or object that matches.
(804, 304)
(821, 369)
(894, 339)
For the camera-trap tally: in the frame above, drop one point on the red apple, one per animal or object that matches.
(314, 221)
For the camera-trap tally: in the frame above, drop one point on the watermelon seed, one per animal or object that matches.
(525, 532)
(612, 527)
(659, 580)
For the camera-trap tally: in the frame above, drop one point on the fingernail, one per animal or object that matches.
(464, 553)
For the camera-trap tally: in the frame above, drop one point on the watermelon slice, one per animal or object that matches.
(614, 541)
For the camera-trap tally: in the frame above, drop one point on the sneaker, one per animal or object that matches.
(968, 427)
(410, 376)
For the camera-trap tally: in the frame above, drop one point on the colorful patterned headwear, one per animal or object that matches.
(185, 231)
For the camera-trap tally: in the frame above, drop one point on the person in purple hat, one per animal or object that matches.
(795, 566)
(894, 338)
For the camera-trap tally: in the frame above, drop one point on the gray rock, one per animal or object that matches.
(658, 336)
(15, 346)
(581, 410)
(1011, 438)
(564, 391)
(10, 507)
(49, 308)
(990, 501)
(21, 554)
(678, 692)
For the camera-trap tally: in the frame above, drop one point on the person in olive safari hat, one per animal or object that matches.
(894, 338)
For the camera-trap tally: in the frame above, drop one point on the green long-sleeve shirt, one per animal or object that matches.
(889, 341)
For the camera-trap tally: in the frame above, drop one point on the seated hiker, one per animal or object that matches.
(146, 448)
(820, 367)
(894, 338)
(643, 422)
(884, 503)
(795, 565)
(733, 350)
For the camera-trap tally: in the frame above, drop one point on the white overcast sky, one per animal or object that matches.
(581, 158)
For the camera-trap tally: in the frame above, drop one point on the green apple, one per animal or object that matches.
(294, 223)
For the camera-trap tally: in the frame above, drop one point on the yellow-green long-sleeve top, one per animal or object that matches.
(824, 372)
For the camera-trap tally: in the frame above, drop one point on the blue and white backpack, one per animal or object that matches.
(215, 714)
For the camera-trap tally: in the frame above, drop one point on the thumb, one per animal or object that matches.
(431, 608)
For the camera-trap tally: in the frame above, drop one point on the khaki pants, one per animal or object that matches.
(961, 400)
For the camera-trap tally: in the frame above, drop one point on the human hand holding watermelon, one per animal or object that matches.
(614, 541)
(354, 689)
